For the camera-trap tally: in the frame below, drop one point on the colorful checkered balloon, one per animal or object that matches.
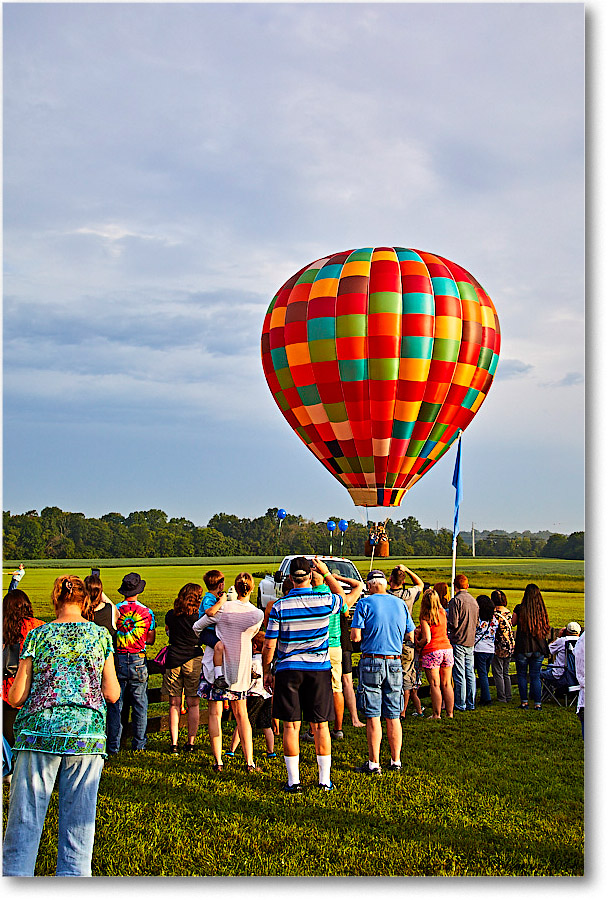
(377, 358)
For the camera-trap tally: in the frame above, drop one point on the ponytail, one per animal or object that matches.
(69, 589)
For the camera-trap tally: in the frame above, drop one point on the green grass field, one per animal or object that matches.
(480, 795)
(561, 581)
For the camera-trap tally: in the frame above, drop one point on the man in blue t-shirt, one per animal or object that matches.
(298, 628)
(381, 622)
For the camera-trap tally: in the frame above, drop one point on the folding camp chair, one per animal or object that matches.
(564, 689)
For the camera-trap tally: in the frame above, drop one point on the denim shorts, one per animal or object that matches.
(379, 692)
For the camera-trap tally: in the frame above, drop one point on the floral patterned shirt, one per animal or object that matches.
(65, 711)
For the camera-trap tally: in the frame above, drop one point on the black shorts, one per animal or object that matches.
(259, 711)
(300, 692)
(347, 662)
(208, 637)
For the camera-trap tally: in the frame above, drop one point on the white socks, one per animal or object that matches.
(293, 769)
(373, 765)
(217, 671)
(324, 764)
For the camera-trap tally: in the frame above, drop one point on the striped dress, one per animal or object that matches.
(300, 623)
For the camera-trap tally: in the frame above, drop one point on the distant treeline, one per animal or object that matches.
(55, 534)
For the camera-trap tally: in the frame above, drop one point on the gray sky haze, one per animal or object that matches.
(168, 166)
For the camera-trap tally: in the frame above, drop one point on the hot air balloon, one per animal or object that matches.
(378, 358)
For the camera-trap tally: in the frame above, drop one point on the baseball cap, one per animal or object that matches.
(375, 573)
(573, 628)
(300, 567)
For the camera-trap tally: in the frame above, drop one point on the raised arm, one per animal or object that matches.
(416, 580)
(330, 580)
(356, 589)
(213, 610)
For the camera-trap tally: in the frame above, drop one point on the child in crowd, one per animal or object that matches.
(416, 681)
(211, 604)
(259, 702)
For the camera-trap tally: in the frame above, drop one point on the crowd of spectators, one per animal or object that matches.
(65, 682)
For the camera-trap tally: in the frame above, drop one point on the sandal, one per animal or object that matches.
(217, 767)
(523, 705)
(537, 706)
(252, 769)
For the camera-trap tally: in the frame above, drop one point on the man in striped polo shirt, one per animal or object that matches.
(299, 622)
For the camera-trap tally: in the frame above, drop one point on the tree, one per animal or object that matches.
(29, 541)
(554, 548)
(575, 546)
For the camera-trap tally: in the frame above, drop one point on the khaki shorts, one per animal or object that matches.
(183, 678)
(335, 658)
(409, 668)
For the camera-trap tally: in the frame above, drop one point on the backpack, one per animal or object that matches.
(504, 641)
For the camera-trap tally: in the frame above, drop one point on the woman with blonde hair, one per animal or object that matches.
(183, 666)
(65, 675)
(532, 621)
(236, 623)
(436, 654)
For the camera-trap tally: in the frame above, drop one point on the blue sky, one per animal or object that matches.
(168, 166)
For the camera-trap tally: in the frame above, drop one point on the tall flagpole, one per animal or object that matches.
(457, 483)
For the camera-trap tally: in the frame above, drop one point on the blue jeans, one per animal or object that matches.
(532, 662)
(482, 664)
(33, 780)
(463, 674)
(380, 688)
(131, 670)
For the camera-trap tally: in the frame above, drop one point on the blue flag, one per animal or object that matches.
(456, 482)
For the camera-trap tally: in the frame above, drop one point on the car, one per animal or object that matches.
(270, 587)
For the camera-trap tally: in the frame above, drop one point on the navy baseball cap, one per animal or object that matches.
(375, 573)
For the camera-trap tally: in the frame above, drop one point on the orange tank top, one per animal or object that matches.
(439, 635)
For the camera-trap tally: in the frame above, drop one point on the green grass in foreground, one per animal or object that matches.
(482, 794)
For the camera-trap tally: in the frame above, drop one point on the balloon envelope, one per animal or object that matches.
(331, 526)
(281, 514)
(377, 358)
(343, 525)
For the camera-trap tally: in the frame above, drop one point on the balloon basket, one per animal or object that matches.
(381, 549)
